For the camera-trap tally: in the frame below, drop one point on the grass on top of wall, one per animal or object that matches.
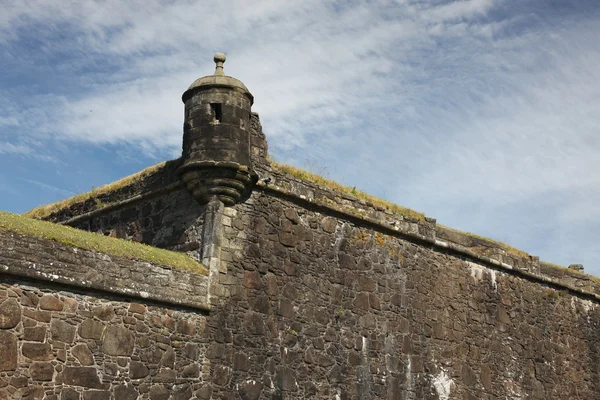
(508, 248)
(93, 241)
(48, 209)
(312, 177)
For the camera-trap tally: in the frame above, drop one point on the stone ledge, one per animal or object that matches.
(46, 260)
(575, 282)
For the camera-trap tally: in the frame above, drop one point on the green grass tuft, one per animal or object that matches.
(103, 244)
(311, 177)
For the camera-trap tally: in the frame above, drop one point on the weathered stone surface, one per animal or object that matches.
(37, 351)
(41, 316)
(186, 327)
(126, 392)
(62, 331)
(286, 379)
(51, 302)
(191, 371)
(18, 381)
(82, 376)
(168, 358)
(329, 224)
(8, 351)
(96, 395)
(138, 370)
(69, 394)
(83, 354)
(10, 313)
(205, 392)
(182, 392)
(90, 329)
(159, 392)
(33, 393)
(41, 371)
(35, 334)
(250, 390)
(104, 312)
(118, 341)
(137, 308)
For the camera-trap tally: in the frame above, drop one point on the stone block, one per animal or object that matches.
(137, 308)
(90, 329)
(182, 392)
(191, 371)
(40, 316)
(205, 392)
(82, 376)
(41, 371)
(96, 395)
(159, 392)
(250, 390)
(286, 379)
(8, 351)
(34, 334)
(37, 351)
(186, 327)
(69, 394)
(118, 341)
(168, 359)
(18, 381)
(62, 331)
(83, 354)
(126, 392)
(104, 313)
(10, 313)
(51, 302)
(33, 393)
(138, 370)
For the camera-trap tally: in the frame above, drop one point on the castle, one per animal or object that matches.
(223, 275)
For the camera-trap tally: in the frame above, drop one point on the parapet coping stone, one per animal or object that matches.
(45, 260)
(530, 267)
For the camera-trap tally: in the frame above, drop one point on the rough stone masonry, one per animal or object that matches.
(311, 293)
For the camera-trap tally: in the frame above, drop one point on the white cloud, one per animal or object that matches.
(468, 110)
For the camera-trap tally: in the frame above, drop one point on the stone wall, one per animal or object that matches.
(317, 306)
(77, 324)
(171, 221)
(312, 293)
(60, 344)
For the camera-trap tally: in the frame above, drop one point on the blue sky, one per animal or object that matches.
(483, 114)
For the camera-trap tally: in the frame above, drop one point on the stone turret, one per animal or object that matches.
(216, 138)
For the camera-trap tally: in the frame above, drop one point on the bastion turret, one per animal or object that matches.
(216, 138)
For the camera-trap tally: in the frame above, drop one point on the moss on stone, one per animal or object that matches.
(319, 180)
(92, 241)
(509, 249)
(46, 210)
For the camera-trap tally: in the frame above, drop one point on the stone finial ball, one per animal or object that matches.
(220, 57)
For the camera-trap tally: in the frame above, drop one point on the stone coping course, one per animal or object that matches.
(96, 242)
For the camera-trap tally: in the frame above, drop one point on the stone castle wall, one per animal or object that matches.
(76, 324)
(336, 309)
(311, 294)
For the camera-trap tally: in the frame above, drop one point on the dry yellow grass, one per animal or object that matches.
(509, 249)
(92, 241)
(311, 177)
(44, 211)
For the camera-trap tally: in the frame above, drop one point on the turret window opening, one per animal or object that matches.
(217, 112)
